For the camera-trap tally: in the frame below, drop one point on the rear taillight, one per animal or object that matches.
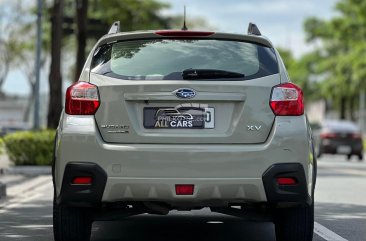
(287, 100)
(82, 98)
(327, 135)
(356, 136)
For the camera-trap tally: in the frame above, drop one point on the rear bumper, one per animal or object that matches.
(149, 172)
(212, 192)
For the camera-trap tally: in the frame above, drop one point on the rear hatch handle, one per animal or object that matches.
(205, 96)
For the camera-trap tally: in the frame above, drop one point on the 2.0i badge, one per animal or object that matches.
(116, 128)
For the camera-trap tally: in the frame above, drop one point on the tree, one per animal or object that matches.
(341, 55)
(11, 20)
(4, 63)
(81, 35)
(55, 78)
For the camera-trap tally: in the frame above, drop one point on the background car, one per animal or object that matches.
(339, 137)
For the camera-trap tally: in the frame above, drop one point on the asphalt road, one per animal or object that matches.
(340, 214)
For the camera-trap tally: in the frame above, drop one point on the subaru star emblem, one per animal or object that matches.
(185, 93)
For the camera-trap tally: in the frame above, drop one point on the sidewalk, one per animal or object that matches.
(4, 163)
(13, 175)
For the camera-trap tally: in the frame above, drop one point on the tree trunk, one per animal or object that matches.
(81, 31)
(30, 103)
(342, 113)
(55, 78)
(352, 108)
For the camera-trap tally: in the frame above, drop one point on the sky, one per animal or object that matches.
(279, 20)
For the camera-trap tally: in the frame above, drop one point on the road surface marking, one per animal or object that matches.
(326, 233)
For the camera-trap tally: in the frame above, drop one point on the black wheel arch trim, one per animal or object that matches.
(277, 194)
(82, 195)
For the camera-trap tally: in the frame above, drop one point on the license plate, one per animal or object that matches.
(344, 149)
(179, 118)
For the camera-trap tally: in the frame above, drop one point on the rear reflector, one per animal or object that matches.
(82, 180)
(287, 100)
(184, 189)
(82, 98)
(183, 33)
(286, 181)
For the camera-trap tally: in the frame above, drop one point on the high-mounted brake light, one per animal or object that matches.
(287, 100)
(82, 98)
(183, 33)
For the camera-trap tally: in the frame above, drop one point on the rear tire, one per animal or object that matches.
(71, 224)
(294, 223)
(360, 157)
(349, 156)
(319, 153)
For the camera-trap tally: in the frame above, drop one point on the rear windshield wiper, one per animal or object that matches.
(209, 74)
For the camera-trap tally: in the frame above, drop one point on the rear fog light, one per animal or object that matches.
(184, 189)
(82, 181)
(286, 181)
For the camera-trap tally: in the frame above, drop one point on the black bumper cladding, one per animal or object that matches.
(82, 195)
(297, 193)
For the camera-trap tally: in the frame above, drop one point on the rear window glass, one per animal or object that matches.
(168, 58)
(341, 126)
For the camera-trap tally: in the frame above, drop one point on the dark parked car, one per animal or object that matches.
(340, 137)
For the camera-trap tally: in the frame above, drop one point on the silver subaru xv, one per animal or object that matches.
(182, 120)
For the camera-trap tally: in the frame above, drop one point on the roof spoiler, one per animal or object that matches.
(253, 30)
(115, 28)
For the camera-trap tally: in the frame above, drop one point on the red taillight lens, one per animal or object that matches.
(82, 98)
(356, 136)
(287, 100)
(286, 181)
(184, 189)
(82, 181)
(328, 135)
(183, 33)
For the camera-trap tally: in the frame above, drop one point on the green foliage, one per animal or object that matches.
(30, 147)
(1, 146)
(343, 47)
(134, 15)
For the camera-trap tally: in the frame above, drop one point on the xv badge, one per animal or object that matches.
(254, 128)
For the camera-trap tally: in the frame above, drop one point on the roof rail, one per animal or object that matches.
(253, 29)
(115, 28)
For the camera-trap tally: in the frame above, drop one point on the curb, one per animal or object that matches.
(28, 170)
